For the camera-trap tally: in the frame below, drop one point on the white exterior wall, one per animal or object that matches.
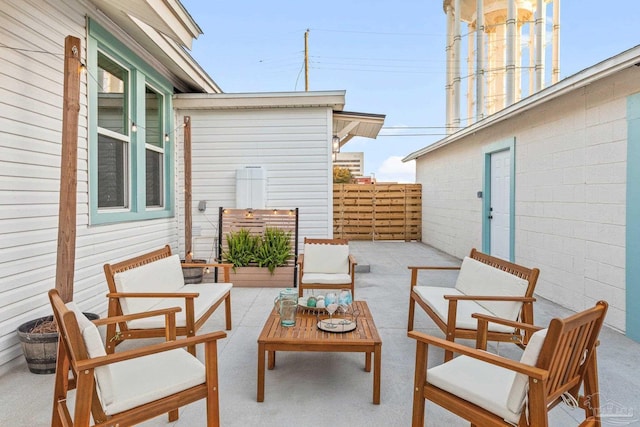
(291, 144)
(31, 86)
(570, 193)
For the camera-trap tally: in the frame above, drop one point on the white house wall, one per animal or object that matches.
(291, 144)
(31, 83)
(570, 193)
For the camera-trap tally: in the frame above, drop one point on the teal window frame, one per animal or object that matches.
(507, 144)
(632, 269)
(141, 75)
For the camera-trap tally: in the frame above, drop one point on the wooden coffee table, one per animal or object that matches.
(305, 336)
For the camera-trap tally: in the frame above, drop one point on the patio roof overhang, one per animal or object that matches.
(347, 124)
(164, 29)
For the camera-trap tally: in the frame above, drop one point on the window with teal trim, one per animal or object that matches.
(113, 134)
(130, 157)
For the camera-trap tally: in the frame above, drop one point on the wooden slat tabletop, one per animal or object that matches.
(306, 330)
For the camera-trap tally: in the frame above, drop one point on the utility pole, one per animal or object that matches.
(306, 60)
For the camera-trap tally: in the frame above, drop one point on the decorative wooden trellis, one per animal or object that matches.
(256, 221)
(377, 211)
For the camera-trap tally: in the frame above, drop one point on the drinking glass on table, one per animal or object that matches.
(345, 298)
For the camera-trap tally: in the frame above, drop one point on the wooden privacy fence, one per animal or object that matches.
(377, 211)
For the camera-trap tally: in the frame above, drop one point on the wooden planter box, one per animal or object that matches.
(256, 277)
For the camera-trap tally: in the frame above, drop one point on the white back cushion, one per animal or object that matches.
(515, 400)
(95, 348)
(164, 275)
(477, 278)
(319, 258)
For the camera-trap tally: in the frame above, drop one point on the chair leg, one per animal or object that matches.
(412, 308)
(213, 403)
(420, 379)
(227, 311)
(173, 415)
(591, 393)
(61, 384)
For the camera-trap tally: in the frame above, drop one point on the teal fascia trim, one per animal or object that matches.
(632, 270)
(140, 74)
(507, 144)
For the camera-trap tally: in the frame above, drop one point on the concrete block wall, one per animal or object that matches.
(570, 193)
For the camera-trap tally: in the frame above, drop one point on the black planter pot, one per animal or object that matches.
(40, 350)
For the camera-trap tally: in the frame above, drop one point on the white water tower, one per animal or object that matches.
(506, 52)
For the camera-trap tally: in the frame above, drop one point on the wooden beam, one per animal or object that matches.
(66, 253)
(188, 242)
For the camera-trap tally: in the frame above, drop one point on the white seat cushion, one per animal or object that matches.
(323, 258)
(521, 381)
(433, 296)
(209, 294)
(478, 382)
(148, 378)
(477, 278)
(164, 275)
(327, 278)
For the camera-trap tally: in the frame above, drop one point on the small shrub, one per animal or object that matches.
(271, 250)
(274, 249)
(241, 248)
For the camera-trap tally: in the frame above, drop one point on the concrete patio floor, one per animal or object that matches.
(308, 389)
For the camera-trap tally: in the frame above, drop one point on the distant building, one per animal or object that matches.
(354, 161)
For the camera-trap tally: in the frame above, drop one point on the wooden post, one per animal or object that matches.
(66, 255)
(188, 244)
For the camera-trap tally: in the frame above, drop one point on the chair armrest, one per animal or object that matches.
(133, 316)
(300, 258)
(531, 371)
(153, 295)
(147, 350)
(489, 298)
(433, 267)
(414, 271)
(352, 260)
(520, 325)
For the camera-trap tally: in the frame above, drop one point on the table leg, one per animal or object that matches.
(367, 361)
(272, 359)
(377, 366)
(261, 351)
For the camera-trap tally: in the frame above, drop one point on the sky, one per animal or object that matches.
(389, 56)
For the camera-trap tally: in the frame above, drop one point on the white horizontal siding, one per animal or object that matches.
(292, 144)
(31, 84)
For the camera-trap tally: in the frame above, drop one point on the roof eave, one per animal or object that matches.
(212, 101)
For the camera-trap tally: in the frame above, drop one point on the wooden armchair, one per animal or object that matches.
(490, 390)
(486, 285)
(131, 386)
(154, 281)
(326, 264)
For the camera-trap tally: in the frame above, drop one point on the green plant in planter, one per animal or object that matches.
(241, 248)
(274, 249)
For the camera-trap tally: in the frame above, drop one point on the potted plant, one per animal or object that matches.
(274, 249)
(39, 341)
(260, 260)
(241, 248)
